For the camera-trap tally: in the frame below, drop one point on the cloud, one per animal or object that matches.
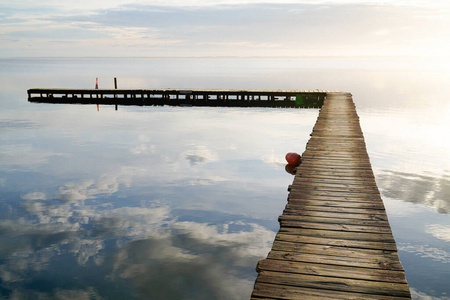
(88, 189)
(274, 159)
(205, 253)
(35, 196)
(439, 231)
(24, 156)
(426, 251)
(198, 181)
(196, 260)
(200, 154)
(429, 190)
(58, 293)
(209, 261)
(249, 28)
(418, 295)
(239, 237)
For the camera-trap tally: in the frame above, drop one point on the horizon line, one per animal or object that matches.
(225, 57)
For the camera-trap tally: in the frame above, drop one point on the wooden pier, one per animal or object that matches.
(335, 241)
(179, 97)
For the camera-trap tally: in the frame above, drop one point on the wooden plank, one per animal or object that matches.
(337, 139)
(330, 191)
(343, 235)
(337, 161)
(337, 271)
(307, 182)
(341, 147)
(328, 169)
(360, 172)
(343, 160)
(263, 290)
(334, 163)
(303, 186)
(336, 175)
(336, 205)
(335, 215)
(315, 223)
(335, 284)
(372, 262)
(336, 242)
(337, 221)
(336, 209)
(317, 179)
(331, 155)
(336, 194)
(299, 196)
(302, 178)
(360, 253)
(324, 176)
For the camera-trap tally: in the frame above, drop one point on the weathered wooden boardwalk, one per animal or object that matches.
(334, 241)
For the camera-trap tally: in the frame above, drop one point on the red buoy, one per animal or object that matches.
(290, 169)
(293, 158)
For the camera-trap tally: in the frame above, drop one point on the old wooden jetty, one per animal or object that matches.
(180, 97)
(335, 240)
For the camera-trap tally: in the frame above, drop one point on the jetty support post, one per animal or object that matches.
(115, 87)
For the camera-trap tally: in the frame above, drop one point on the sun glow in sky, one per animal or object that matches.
(224, 28)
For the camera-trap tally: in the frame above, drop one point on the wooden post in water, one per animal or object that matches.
(115, 87)
(96, 87)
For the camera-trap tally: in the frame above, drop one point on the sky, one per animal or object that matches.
(249, 28)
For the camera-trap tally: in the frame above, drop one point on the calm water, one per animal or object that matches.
(180, 203)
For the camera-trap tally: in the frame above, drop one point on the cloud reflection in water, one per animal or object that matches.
(163, 253)
(193, 260)
(428, 190)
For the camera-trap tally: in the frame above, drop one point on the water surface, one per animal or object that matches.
(181, 203)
